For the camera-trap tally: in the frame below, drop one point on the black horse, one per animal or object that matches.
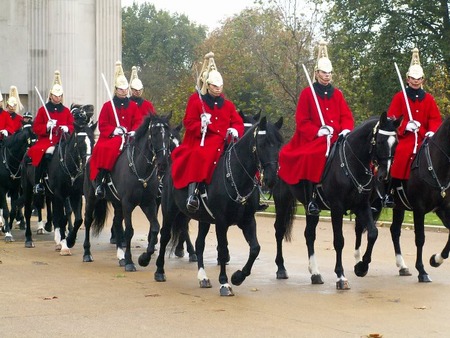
(425, 191)
(232, 199)
(132, 182)
(13, 149)
(346, 185)
(64, 182)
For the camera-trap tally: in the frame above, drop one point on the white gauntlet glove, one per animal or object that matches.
(131, 133)
(4, 132)
(51, 124)
(344, 132)
(206, 118)
(413, 126)
(65, 129)
(429, 134)
(119, 131)
(325, 131)
(233, 132)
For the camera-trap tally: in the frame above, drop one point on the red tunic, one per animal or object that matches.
(303, 158)
(145, 108)
(108, 147)
(427, 113)
(62, 116)
(6, 122)
(192, 163)
(16, 121)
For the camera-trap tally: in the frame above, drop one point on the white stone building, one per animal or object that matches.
(80, 38)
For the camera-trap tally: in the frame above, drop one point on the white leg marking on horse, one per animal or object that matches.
(57, 236)
(438, 258)
(9, 237)
(65, 251)
(357, 255)
(313, 266)
(201, 275)
(120, 254)
(40, 230)
(400, 262)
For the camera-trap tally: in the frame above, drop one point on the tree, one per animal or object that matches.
(163, 47)
(369, 36)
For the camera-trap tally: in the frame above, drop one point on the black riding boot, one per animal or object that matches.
(192, 203)
(39, 175)
(312, 208)
(100, 181)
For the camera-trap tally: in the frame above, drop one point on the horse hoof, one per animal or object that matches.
(424, 279)
(342, 285)
(130, 267)
(205, 283)
(160, 277)
(40, 231)
(238, 277)
(9, 239)
(226, 290)
(70, 242)
(193, 258)
(282, 274)
(404, 272)
(144, 259)
(316, 279)
(29, 244)
(179, 253)
(65, 252)
(361, 269)
(122, 262)
(58, 247)
(433, 262)
(88, 258)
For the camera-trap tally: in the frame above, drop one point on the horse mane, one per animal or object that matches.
(142, 130)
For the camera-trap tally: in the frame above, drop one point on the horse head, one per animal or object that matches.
(384, 141)
(82, 114)
(269, 142)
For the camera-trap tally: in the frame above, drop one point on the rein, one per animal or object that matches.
(5, 153)
(64, 156)
(431, 169)
(241, 199)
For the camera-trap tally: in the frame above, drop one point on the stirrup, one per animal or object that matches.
(313, 209)
(388, 201)
(100, 191)
(192, 204)
(39, 189)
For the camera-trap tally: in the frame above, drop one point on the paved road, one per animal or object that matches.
(46, 295)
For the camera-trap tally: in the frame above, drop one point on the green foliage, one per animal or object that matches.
(163, 47)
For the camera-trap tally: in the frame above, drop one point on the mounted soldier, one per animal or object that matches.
(322, 115)
(52, 120)
(421, 119)
(136, 90)
(6, 124)
(14, 107)
(209, 120)
(118, 119)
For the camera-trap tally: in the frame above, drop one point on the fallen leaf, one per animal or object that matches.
(420, 307)
(152, 295)
(50, 298)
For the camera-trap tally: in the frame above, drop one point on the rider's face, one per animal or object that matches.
(215, 90)
(324, 78)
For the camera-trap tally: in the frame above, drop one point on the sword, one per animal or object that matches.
(204, 126)
(46, 111)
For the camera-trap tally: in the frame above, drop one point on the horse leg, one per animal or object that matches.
(77, 211)
(364, 216)
(419, 232)
(88, 219)
(119, 233)
(310, 237)
(6, 216)
(222, 255)
(203, 229)
(152, 238)
(338, 244)
(249, 231)
(60, 219)
(396, 227)
(69, 210)
(437, 259)
(129, 232)
(190, 248)
(117, 221)
(165, 235)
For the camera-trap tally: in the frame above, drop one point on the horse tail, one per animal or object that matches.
(179, 231)
(286, 209)
(99, 217)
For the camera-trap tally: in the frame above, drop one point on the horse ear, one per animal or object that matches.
(179, 127)
(94, 126)
(279, 123)
(257, 116)
(383, 117)
(398, 122)
(263, 123)
(169, 116)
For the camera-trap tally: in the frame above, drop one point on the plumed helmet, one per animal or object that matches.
(120, 81)
(14, 99)
(209, 65)
(215, 78)
(323, 62)
(1, 97)
(415, 69)
(57, 88)
(135, 83)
